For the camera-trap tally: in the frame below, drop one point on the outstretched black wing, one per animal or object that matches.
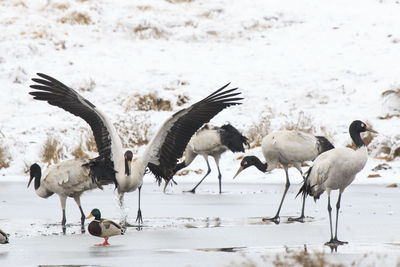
(168, 144)
(60, 95)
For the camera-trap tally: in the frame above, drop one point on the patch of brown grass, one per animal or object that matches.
(303, 258)
(90, 143)
(147, 102)
(20, 3)
(374, 175)
(304, 124)
(60, 6)
(145, 8)
(76, 18)
(5, 158)
(78, 152)
(88, 86)
(51, 151)
(186, 172)
(182, 99)
(135, 132)
(257, 131)
(145, 30)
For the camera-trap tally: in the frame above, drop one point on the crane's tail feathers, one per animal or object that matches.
(232, 138)
(101, 172)
(324, 144)
(305, 188)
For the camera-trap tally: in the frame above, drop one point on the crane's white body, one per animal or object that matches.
(289, 147)
(66, 179)
(336, 169)
(206, 142)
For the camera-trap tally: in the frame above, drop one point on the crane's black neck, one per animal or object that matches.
(254, 161)
(127, 170)
(36, 172)
(355, 134)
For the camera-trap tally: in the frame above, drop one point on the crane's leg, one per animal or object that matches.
(276, 219)
(334, 242)
(216, 158)
(63, 201)
(139, 218)
(78, 202)
(301, 218)
(208, 172)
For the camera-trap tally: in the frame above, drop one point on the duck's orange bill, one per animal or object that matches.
(90, 216)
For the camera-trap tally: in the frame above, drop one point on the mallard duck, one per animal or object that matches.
(3, 237)
(103, 227)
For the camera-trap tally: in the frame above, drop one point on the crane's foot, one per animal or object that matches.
(139, 220)
(334, 242)
(298, 219)
(193, 191)
(275, 219)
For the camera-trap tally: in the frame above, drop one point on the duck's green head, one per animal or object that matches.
(94, 213)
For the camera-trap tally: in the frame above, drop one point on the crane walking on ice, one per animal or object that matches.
(162, 152)
(212, 141)
(66, 180)
(335, 170)
(286, 147)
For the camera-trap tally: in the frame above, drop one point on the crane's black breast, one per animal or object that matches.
(94, 228)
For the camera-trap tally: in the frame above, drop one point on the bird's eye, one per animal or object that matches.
(362, 125)
(244, 162)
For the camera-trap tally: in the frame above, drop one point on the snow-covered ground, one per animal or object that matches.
(315, 64)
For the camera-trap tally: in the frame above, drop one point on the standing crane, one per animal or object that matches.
(286, 147)
(335, 170)
(212, 141)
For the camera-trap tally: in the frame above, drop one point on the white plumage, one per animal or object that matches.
(212, 141)
(65, 180)
(335, 170)
(286, 147)
(160, 155)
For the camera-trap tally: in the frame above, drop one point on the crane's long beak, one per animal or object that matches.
(30, 180)
(371, 130)
(89, 216)
(238, 171)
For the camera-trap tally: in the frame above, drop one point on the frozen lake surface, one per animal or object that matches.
(202, 229)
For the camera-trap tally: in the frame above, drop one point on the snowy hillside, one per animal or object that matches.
(313, 65)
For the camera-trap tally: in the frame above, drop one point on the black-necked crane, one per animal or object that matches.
(286, 147)
(104, 228)
(335, 170)
(212, 141)
(162, 152)
(65, 180)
